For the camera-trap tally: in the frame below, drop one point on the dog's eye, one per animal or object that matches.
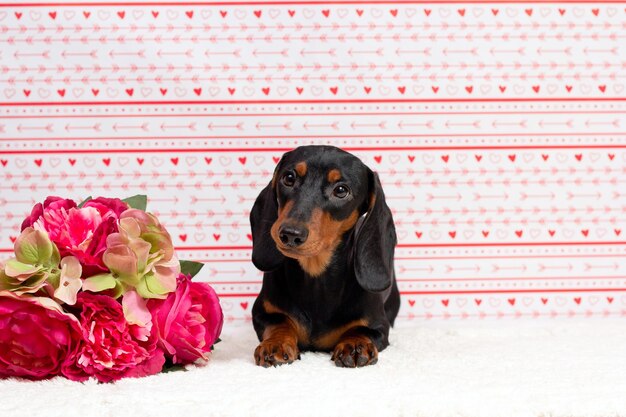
(341, 191)
(289, 179)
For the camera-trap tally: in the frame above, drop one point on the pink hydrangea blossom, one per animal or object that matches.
(141, 255)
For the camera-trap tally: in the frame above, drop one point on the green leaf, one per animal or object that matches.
(190, 267)
(99, 283)
(139, 201)
(82, 203)
(170, 367)
(215, 343)
(15, 268)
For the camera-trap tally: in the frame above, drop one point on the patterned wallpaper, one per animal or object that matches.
(497, 129)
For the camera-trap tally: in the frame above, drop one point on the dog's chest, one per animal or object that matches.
(324, 315)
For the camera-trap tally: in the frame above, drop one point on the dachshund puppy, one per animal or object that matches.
(325, 238)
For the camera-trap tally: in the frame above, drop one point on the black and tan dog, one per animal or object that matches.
(325, 238)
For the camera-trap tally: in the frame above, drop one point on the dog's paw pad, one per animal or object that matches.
(275, 352)
(355, 353)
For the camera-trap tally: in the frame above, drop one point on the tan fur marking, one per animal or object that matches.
(334, 175)
(284, 210)
(282, 215)
(301, 333)
(282, 333)
(279, 345)
(271, 308)
(372, 201)
(316, 265)
(324, 237)
(329, 340)
(301, 169)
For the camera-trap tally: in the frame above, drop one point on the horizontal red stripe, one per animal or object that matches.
(365, 101)
(426, 245)
(444, 293)
(238, 295)
(519, 278)
(217, 260)
(307, 136)
(461, 245)
(321, 113)
(444, 280)
(302, 2)
(484, 315)
(551, 290)
(285, 149)
(532, 256)
(213, 247)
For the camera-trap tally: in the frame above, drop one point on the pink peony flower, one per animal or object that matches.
(188, 321)
(81, 232)
(38, 209)
(36, 336)
(110, 348)
(106, 206)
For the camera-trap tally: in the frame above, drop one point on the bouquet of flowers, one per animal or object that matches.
(95, 290)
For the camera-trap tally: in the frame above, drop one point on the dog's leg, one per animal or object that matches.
(279, 345)
(355, 349)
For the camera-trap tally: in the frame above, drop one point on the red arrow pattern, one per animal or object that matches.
(496, 129)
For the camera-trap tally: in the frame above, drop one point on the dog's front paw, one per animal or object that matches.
(355, 351)
(272, 352)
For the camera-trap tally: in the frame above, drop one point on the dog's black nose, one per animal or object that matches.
(292, 236)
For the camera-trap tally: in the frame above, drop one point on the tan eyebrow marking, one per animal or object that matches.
(301, 169)
(334, 175)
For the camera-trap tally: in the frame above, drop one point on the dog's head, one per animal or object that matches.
(317, 194)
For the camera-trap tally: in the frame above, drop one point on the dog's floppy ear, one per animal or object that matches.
(375, 241)
(264, 213)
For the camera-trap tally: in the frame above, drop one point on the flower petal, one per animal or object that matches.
(70, 282)
(130, 226)
(70, 267)
(141, 249)
(34, 247)
(135, 309)
(149, 286)
(122, 261)
(22, 271)
(99, 283)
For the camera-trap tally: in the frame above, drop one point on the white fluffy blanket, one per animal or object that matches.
(503, 369)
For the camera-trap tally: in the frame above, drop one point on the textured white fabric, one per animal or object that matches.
(503, 369)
